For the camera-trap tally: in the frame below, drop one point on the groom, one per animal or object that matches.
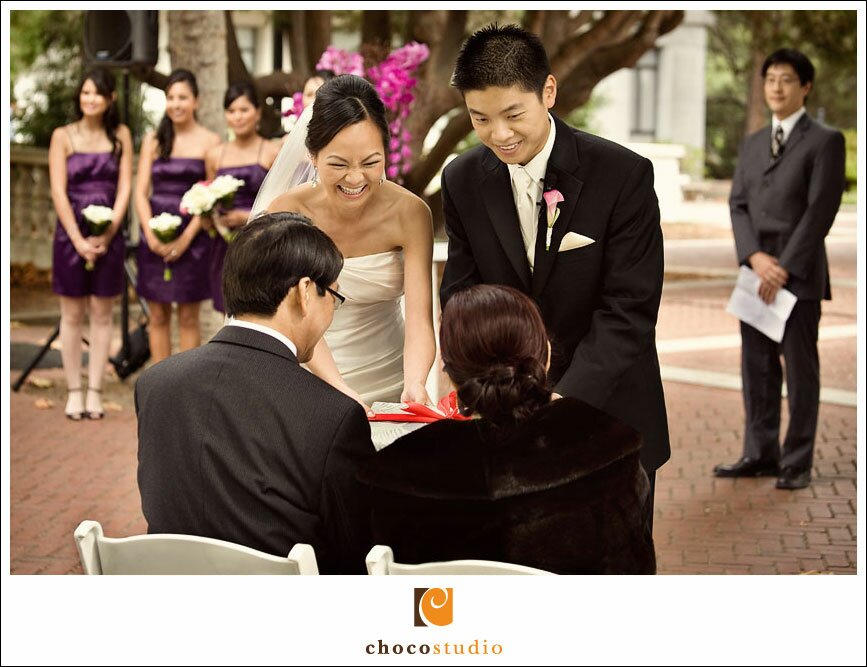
(598, 281)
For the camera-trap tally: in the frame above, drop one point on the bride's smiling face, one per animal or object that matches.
(351, 166)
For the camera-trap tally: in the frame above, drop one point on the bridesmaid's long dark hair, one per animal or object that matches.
(166, 130)
(104, 83)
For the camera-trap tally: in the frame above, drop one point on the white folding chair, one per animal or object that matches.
(182, 554)
(380, 560)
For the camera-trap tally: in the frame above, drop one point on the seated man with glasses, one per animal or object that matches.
(236, 440)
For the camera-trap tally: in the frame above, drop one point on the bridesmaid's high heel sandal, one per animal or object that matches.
(99, 413)
(72, 414)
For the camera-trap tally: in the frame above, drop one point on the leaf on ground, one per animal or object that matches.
(40, 383)
(43, 404)
(112, 406)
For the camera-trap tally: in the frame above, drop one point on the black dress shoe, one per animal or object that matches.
(747, 467)
(791, 478)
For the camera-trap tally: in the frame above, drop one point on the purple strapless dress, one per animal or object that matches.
(91, 179)
(252, 175)
(170, 179)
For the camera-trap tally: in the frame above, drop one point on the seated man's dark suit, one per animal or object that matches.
(238, 442)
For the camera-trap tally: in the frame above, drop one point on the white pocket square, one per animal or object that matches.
(573, 240)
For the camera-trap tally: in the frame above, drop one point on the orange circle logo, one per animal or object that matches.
(433, 606)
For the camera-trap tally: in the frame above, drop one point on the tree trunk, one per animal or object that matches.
(318, 29)
(757, 114)
(376, 28)
(298, 43)
(236, 68)
(197, 42)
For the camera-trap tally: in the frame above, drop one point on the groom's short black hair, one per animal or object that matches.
(502, 56)
(269, 256)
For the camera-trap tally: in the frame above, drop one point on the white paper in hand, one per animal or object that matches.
(746, 304)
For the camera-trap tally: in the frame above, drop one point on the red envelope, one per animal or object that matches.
(447, 408)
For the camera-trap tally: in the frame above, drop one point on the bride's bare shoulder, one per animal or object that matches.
(411, 206)
(291, 200)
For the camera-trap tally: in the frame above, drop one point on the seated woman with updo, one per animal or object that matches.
(550, 484)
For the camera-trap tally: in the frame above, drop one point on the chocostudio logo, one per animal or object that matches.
(433, 606)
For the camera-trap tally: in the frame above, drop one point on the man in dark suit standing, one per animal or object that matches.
(785, 195)
(236, 440)
(592, 261)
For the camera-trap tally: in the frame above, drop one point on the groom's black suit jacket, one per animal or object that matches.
(599, 302)
(238, 442)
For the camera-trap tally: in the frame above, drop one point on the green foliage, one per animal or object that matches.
(33, 32)
(44, 97)
(47, 62)
(851, 136)
(582, 117)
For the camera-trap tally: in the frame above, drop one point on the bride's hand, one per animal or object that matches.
(415, 393)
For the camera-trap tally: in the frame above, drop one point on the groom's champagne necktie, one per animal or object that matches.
(777, 145)
(525, 203)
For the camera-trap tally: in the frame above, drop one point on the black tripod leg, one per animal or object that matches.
(33, 364)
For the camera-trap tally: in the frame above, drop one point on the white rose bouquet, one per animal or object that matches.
(198, 200)
(224, 188)
(165, 227)
(98, 219)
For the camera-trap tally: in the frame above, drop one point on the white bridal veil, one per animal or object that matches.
(291, 167)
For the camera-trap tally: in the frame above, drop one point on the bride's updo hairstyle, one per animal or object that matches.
(495, 350)
(343, 101)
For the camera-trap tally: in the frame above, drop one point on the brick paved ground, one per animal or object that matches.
(63, 472)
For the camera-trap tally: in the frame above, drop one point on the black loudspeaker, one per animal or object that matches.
(121, 39)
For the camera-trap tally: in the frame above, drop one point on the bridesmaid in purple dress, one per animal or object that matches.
(89, 162)
(171, 161)
(247, 157)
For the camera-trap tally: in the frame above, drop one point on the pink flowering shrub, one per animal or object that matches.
(341, 62)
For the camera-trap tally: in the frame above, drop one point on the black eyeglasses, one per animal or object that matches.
(338, 297)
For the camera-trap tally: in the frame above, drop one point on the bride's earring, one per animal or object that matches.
(315, 180)
(382, 178)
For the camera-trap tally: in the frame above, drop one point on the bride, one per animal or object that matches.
(384, 232)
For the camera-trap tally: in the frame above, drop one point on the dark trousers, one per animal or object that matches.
(762, 375)
(652, 477)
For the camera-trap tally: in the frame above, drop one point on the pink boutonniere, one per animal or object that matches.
(552, 199)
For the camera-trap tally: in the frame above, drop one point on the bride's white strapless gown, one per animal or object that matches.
(366, 337)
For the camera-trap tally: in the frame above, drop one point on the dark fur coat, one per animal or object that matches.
(562, 491)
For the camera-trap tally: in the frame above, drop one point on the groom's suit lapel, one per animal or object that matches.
(496, 191)
(560, 175)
